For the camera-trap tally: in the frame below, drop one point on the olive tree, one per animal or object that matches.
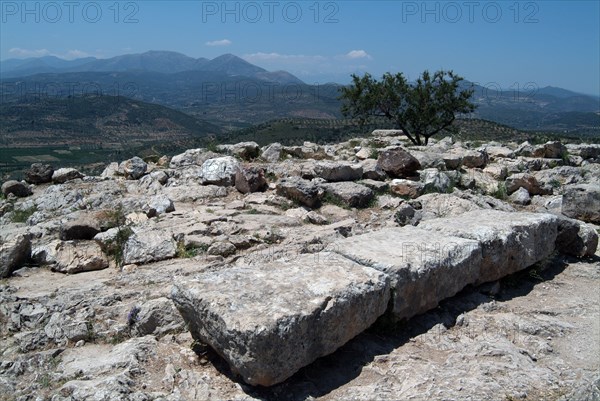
(420, 109)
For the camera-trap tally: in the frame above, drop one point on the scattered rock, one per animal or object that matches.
(16, 188)
(406, 188)
(158, 317)
(243, 150)
(14, 253)
(39, 174)
(520, 197)
(83, 227)
(272, 153)
(299, 190)
(157, 205)
(133, 168)
(222, 248)
(219, 171)
(72, 257)
(349, 193)
(398, 163)
(250, 179)
(148, 246)
(63, 175)
(527, 181)
(582, 202)
(337, 171)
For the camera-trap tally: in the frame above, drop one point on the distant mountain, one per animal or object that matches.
(165, 62)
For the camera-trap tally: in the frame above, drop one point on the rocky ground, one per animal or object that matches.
(89, 264)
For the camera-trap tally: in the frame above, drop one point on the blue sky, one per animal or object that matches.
(505, 43)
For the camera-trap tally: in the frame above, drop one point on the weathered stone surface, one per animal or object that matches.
(409, 188)
(582, 202)
(520, 197)
(63, 175)
(243, 150)
(192, 157)
(338, 171)
(398, 163)
(527, 181)
(281, 316)
(471, 158)
(220, 171)
(575, 238)
(308, 150)
(272, 153)
(39, 173)
(14, 252)
(157, 205)
(250, 179)
(551, 150)
(158, 317)
(349, 193)
(435, 181)
(133, 168)
(406, 214)
(425, 267)
(149, 246)
(110, 171)
(16, 188)
(387, 132)
(84, 227)
(297, 189)
(222, 248)
(510, 241)
(372, 171)
(75, 256)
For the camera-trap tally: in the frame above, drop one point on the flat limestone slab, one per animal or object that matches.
(509, 241)
(424, 267)
(270, 320)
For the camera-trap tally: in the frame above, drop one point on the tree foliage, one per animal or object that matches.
(420, 109)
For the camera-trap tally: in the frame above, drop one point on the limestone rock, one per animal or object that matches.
(520, 197)
(63, 175)
(76, 256)
(250, 179)
(272, 153)
(157, 205)
(133, 168)
(158, 317)
(220, 171)
(406, 188)
(510, 241)
(192, 157)
(582, 202)
(425, 267)
(16, 188)
(281, 316)
(148, 246)
(527, 181)
(303, 191)
(349, 193)
(338, 171)
(398, 163)
(575, 238)
(39, 173)
(14, 252)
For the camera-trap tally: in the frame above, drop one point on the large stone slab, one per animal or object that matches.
(510, 241)
(424, 267)
(269, 320)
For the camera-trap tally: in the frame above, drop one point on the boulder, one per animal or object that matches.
(16, 188)
(338, 171)
(110, 171)
(272, 153)
(398, 163)
(192, 157)
(406, 214)
(133, 168)
(149, 246)
(387, 132)
(520, 197)
(158, 317)
(435, 181)
(575, 238)
(527, 181)
(39, 174)
(243, 150)
(282, 315)
(582, 202)
(75, 256)
(219, 171)
(14, 253)
(83, 227)
(425, 267)
(250, 179)
(349, 193)
(471, 158)
(406, 188)
(509, 241)
(222, 248)
(299, 190)
(551, 150)
(372, 171)
(157, 205)
(308, 150)
(63, 175)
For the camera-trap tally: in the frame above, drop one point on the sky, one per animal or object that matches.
(506, 44)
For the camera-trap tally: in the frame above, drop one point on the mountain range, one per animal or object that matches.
(232, 93)
(165, 62)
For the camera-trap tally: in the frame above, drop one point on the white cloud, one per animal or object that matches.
(25, 53)
(17, 52)
(222, 42)
(354, 54)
